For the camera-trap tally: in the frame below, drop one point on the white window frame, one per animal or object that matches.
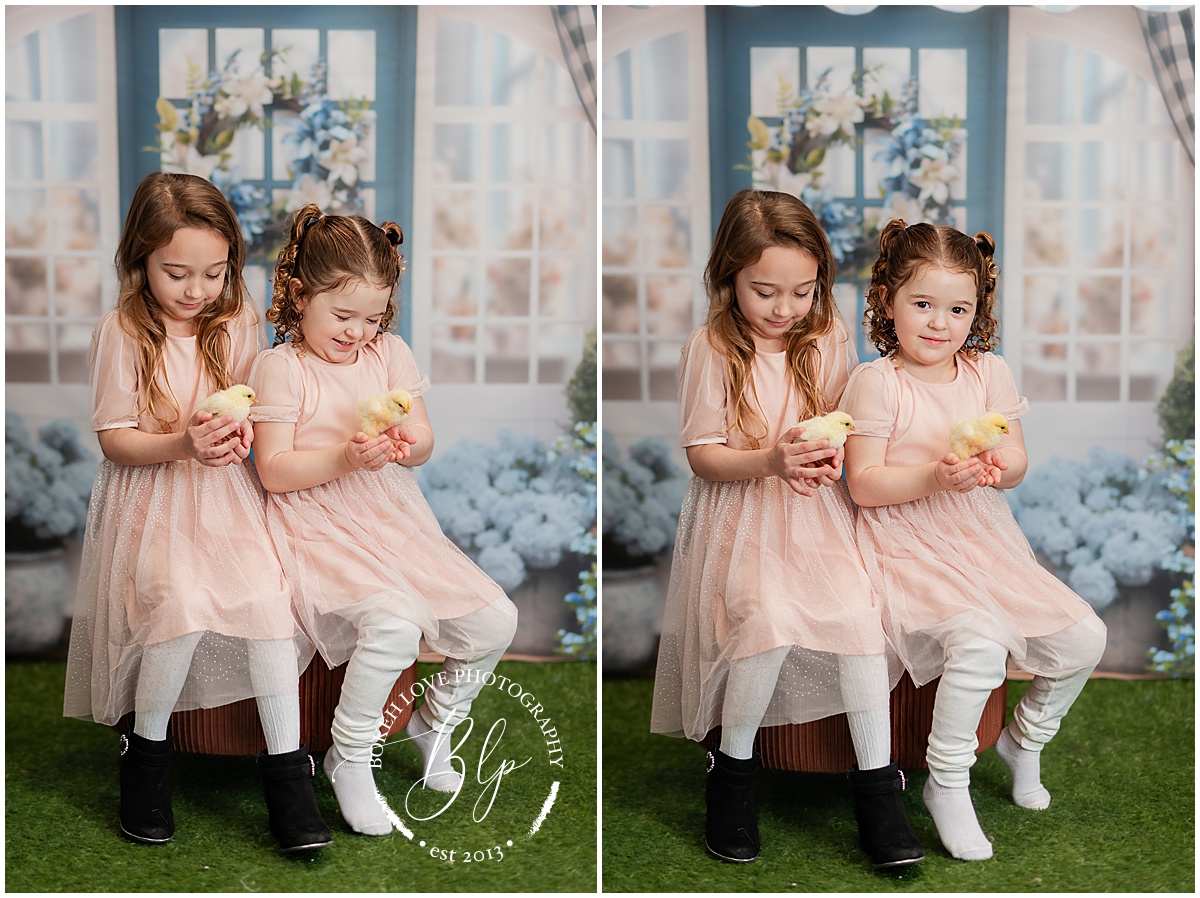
(1069, 429)
(38, 403)
(624, 29)
(480, 411)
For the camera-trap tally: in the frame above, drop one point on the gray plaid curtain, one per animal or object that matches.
(577, 34)
(1171, 40)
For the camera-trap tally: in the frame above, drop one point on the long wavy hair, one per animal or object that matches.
(905, 250)
(754, 220)
(326, 252)
(163, 203)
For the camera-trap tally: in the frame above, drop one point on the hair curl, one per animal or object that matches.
(754, 220)
(326, 252)
(904, 251)
(163, 203)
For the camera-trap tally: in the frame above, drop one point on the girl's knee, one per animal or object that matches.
(985, 659)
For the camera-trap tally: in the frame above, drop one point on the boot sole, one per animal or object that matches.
(311, 847)
(144, 840)
(732, 860)
(906, 862)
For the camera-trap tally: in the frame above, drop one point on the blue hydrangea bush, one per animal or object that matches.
(643, 494)
(47, 484)
(1179, 618)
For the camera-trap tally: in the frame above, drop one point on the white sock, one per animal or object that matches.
(163, 671)
(1026, 769)
(435, 747)
(362, 807)
(151, 725)
(957, 825)
(738, 742)
(871, 733)
(280, 719)
(276, 685)
(748, 692)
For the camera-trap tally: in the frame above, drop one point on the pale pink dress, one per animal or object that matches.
(957, 561)
(368, 536)
(757, 566)
(173, 548)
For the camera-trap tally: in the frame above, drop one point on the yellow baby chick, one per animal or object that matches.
(971, 436)
(377, 413)
(835, 427)
(235, 401)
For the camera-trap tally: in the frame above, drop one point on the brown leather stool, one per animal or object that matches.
(233, 729)
(824, 746)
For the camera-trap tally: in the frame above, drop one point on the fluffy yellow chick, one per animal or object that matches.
(971, 436)
(235, 401)
(835, 427)
(377, 413)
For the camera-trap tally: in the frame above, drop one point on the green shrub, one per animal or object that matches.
(1177, 407)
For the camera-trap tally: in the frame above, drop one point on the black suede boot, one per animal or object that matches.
(884, 832)
(296, 822)
(146, 790)
(731, 827)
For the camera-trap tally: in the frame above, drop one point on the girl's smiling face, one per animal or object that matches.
(775, 293)
(187, 275)
(933, 314)
(337, 324)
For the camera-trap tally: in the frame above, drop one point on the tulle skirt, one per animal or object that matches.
(757, 567)
(169, 550)
(959, 561)
(371, 537)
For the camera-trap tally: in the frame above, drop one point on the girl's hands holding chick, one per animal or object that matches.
(961, 476)
(994, 466)
(369, 453)
(807, 465)
(208, 440)
(403, 439)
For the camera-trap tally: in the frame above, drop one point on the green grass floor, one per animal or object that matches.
(61, 798)
(1121, 773)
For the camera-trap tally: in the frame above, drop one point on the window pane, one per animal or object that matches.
(26, 353)
(453, 287)
(1154, 166)
(1050, 96)
(619, 313)
(179, 49)
(667, 237)
(942, 76)
(1097, 372)
(1046, 303)
(841, 174)
(1103, 83)
(24, 218)
(284, 121)
(351, 58)
(452, 357)
(1149, 108)
(514, 72)
(1101, 170)
(668, 305)
(458, 148)
(1102, 238)
(1153, 232)
(249, 44)
(664, 361)
(506, 354)
(23, 150)
(301, 52)
(1151, 366)
(620, 244)
(768, 67)
(1045, 239)
(74, 342)
(562, 154)
(1046, 167)
(25, 286)
(1099, 305)
(22, 70)
(618, 87)
(559, 290)
(557, 351)
(508, 282)
(618, 169)
(511, 156)
(1150, 306)
(459, 79)
(620, 370)
(666, 169)
(77, 288)
(71, 47)
(454, 220)
(838, 61)
(249, 153)
(1044, 373)
(510, 219)
(74, 147)
(890, 68)
(663, 68)
(562, 225)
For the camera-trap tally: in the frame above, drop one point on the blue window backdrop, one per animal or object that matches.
(757, 56)
(350, 71)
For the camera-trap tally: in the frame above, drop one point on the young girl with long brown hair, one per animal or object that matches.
(371, 569)
(182, 602)
(769, 616)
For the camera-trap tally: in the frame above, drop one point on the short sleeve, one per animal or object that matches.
(838, 359)
(275, 380)
(246, 340)
(703, 392)
(870, 400)
(1001, 388)
(402, 366)
(113, 376)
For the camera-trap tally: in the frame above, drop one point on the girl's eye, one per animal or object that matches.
(804, 295)
(342, 317)
(175, 277)
(762, 295)
(959, 310)
(373, 322)
(922, 304)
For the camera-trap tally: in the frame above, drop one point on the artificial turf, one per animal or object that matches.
(61, 796)
(1121, 774)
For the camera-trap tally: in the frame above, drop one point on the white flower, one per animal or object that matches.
(342, 159)
(834, 113)
(242, 94)
(933, 178)
(777, 176)
(904, 207)
(184, 157)
(309, 190)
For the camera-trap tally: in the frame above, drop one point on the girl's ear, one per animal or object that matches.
(296, 290)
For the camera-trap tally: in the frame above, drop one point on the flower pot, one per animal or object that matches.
(632, 609)
(37, 594)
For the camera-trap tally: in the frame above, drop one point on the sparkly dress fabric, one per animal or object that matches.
(171, 549)
(758, 567)
(957, 561)
(368, 536)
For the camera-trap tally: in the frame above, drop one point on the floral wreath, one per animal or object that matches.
(328, 139)
(921, 154)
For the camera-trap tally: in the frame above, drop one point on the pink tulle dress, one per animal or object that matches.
(957, 561)
(757, 566)
(368, 536)
(171, 549)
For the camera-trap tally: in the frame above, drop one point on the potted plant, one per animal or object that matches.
(47, 484)
(643, 493)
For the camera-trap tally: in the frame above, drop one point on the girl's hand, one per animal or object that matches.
(403, 440)
(994, 466)
(369, 453)
(804, 466)
(245, 437)
(208, 441)
(959, 476)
